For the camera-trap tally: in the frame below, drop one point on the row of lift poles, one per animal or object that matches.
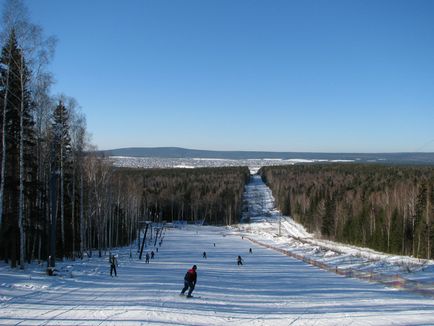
(148, 225)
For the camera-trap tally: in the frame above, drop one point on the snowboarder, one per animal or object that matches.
(204, 255)
(113, 263)
(239, 261)
(147, 258)
(152, 254)
(250, 250)
(189, 281)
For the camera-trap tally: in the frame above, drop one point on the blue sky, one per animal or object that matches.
(324, 76)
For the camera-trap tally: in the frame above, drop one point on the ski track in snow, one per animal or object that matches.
(269, 289)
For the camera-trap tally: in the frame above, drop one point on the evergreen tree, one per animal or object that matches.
(18, 153)
(62, 149)
(328, 221)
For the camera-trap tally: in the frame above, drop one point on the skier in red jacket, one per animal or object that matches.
(190, 281)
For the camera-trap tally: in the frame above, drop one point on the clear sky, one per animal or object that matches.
(278, 75)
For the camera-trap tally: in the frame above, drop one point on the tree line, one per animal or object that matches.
(387, 208)
(208, 195)
(56, 197)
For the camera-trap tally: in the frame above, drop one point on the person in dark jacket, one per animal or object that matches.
(113, 263)
(239, 261)
(190, 281)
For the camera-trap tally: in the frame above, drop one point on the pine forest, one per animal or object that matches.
(387, 208)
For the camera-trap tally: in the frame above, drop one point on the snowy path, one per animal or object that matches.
(270, 289)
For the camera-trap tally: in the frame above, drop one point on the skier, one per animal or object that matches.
(152, 255)
(147, 258)
(204, 255)
(239, 261)
(113, 263)
(189, 281)
(250, 250)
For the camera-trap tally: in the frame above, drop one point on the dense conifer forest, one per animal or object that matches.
(387, 208)
(209, 195)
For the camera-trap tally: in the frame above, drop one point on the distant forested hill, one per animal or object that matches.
(177, 152)
(387, 208)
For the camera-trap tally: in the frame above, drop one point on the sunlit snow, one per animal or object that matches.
(271, 288)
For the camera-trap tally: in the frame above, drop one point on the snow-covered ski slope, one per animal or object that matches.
(269, 289)
(269, 227)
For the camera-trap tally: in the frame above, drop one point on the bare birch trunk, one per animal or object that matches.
(62, 203)
(73, 212)
(428, 224)
(21, 171)
(81, 215)
(3, 163)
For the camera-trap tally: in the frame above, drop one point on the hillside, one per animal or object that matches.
(177, 152)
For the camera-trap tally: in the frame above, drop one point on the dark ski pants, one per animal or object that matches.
(188, 284)
(113, 268)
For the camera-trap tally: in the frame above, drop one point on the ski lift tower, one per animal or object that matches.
(143, 225)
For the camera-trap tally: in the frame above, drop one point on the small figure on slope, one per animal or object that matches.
(204, 255)
(250, 250)
(190, 281)
(239, 261)
(147, 258)
(152, 254)
(113, 263)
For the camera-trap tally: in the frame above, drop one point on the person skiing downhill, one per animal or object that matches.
(239, 261)
(189, 281)
(147, 258)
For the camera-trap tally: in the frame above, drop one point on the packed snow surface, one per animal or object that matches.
(271, 288)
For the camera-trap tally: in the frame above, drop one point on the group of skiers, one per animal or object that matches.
(190, 277)
(114, 262)
(149, 256)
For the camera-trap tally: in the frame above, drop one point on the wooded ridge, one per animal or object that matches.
(387, 208)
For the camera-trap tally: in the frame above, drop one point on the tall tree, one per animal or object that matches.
(61, 132)
(18, 130)
(36, 51)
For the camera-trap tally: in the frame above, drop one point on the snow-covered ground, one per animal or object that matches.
(270, 228)
(254, 164)
(271, 288)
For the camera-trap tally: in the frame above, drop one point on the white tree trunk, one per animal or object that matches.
(3, 163)
(21, 169)
(62, 201)
(81, 214)
(73, 212)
